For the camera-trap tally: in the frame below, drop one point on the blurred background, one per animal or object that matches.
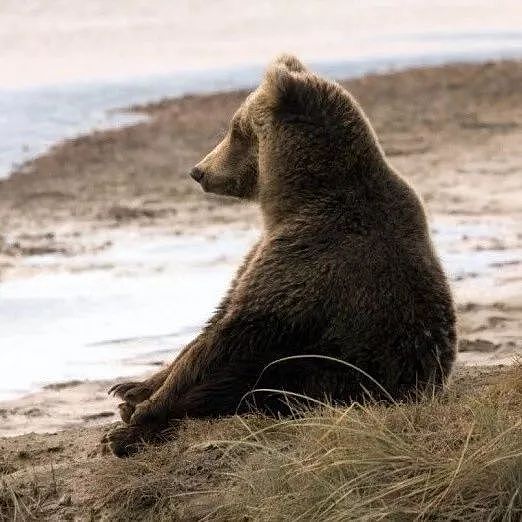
(64, 63)
(111, 259)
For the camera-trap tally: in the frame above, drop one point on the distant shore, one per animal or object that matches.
(452, 131)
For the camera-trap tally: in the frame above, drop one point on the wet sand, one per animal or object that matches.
(454, 132)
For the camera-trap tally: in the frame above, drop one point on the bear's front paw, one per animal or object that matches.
(150, 412)
(125, 441)
(132, 392)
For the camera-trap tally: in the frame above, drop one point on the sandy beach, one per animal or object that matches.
(454, 132)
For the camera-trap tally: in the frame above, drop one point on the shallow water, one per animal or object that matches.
(141, 301)
(100, 323)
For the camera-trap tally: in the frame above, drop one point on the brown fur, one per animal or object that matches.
(344, 268)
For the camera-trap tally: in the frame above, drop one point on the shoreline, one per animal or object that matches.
(97, 109)
(455, 138)
(172, 201)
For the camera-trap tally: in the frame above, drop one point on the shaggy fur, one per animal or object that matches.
(344, 268)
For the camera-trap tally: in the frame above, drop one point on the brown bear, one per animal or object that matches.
(342, 298)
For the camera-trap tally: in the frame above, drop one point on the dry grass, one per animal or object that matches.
(457, 457)
(23, 500)
(454, 457)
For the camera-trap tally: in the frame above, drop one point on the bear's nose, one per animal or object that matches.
(197, 174)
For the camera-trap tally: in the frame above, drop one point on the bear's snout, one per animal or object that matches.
(197, 174)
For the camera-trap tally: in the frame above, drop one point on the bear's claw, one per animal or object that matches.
(132, 392)
(118, 390)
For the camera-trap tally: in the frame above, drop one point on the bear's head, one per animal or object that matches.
(297, 133)
(231, 168)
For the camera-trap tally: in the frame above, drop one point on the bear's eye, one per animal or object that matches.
(236, 132)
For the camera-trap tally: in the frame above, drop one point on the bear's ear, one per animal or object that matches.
(285, 90)
(290, 62)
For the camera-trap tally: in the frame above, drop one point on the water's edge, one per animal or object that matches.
(123, 310)
(32, 120)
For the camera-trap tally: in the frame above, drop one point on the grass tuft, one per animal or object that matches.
(456, 456)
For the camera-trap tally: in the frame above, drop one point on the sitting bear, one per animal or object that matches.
(343, 296)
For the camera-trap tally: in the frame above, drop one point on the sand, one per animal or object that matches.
(454, 132)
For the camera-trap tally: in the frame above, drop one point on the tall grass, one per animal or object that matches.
(456, 456)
